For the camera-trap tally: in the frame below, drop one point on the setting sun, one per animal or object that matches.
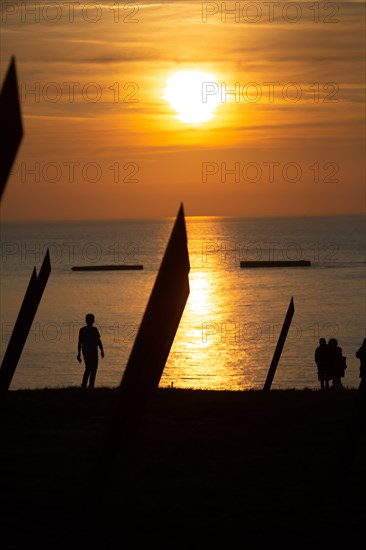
(190, 94)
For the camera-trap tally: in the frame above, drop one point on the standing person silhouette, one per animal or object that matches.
(361, 355)
(322, 362)
(88, 344)
(337, 363)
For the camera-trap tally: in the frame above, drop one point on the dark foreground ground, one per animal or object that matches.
(205, 470)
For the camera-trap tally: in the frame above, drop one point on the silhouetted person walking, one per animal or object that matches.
(361, 355)
(89, 342)
(337, 363)
(322, 362)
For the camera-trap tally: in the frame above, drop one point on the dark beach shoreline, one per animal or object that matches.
(251, 466)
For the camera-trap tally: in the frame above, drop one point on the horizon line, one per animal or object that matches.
(172, 217)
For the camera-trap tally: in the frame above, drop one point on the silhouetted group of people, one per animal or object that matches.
(331, 363)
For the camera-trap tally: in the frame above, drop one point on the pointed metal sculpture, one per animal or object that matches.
(154, 338)
(146, 362)
(11, 129)
(11, 133)
(23, 324)
(279, 347)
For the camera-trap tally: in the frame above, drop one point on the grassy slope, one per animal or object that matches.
(248, 466)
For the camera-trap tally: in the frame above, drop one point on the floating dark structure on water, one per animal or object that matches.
(276, 263)
(113, 267)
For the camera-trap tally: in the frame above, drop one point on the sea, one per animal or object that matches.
(233, 317)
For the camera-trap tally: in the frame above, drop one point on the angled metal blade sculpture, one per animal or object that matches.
(280, 343)
(23, 324)
(154, 338)
(11, 129)
(146, 362)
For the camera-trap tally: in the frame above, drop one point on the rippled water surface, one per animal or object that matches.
(233, 316)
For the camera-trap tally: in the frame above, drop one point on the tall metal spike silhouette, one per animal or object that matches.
(153, 341)
(280, 343)
(11, 133)
(11, 129)
(23, 324)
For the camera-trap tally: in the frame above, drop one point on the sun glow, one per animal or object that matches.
(193, 95)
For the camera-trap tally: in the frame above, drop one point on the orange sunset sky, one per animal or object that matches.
(101, 141)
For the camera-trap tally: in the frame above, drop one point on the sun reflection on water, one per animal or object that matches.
(208, 347)
(200, 296)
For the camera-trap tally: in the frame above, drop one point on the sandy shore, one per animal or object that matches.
(204, 467)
